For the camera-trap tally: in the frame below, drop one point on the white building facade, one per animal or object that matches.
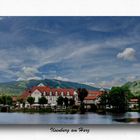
(51, 94)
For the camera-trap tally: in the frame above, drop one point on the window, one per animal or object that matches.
(91, 94)
(56, 94)
(50, 93)
(68, 93)
(62, 93)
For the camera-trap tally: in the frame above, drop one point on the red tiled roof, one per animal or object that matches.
(47, 90)
(25, 94)
(90, 98)
(97, 93)
(92, 95)
(41, 88)
(133, 100)
(64, 90)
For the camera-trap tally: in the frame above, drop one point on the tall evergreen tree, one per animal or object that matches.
(82, 93)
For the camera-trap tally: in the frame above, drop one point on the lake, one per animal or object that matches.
(55, 118)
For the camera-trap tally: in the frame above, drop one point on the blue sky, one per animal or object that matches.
(101, 51)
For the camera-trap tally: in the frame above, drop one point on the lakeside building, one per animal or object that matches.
(93, 97)
(51, 94)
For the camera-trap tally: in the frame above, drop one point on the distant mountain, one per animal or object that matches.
(134, 87)
(17, 87)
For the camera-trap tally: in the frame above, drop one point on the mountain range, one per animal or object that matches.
(17, 87)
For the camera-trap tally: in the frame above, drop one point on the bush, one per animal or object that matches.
(75, 107)
(73, 111)
(93, 108)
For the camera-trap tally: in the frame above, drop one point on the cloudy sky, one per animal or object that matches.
(102, 51)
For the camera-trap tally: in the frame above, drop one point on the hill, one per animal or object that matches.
(17, 87)
(134, 87)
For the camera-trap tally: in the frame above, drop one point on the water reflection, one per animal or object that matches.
(54, 118)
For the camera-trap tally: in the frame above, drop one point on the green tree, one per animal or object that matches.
(30, 100)
(1, 100)
(82, 93)
(42, 101)
(104, 101)
(66, 101)
(23, 104)
(6, 100)
(9, 100)
(20, 100)
(71, 102)
(60, 100)
(118, 98)
(127, 92)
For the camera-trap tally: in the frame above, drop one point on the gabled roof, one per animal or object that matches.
(42, 89)
(47, 90)
(134, 100)
(25, 94)
(90, 98)
(96, 93)
(92, 95)
(64, 90)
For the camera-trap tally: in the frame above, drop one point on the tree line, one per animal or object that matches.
(6, 100)
(116, 100)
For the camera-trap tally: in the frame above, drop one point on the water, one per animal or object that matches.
(55, 118)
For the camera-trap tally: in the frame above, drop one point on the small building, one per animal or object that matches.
(93, 97)
(133, 103)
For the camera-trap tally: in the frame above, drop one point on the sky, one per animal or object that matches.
(100, 51)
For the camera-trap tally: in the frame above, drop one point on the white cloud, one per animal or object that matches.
(110, 83)
(29, 78)
(61, 78)
(28, 60)
(131, 77)
(28, 73)
(90, 83)
(8, 58)
(20, 79)
(127, 54)
(75, 53)
(29, 70)
(34, 78)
